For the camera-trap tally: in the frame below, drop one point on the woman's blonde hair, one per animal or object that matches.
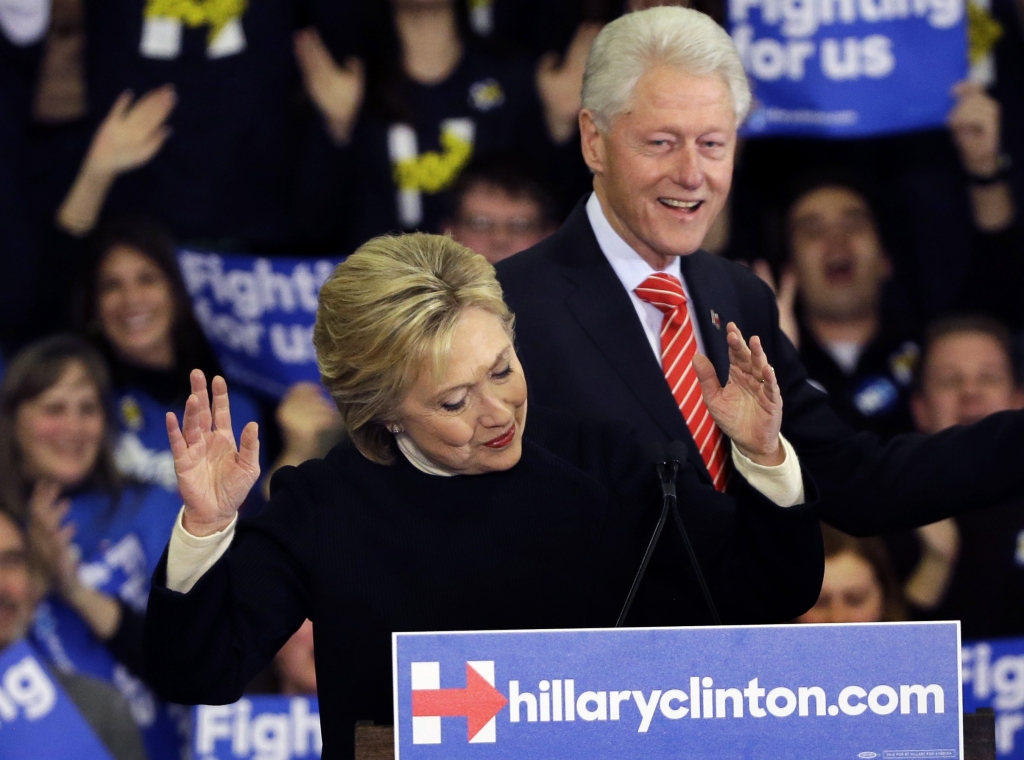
(387, 308)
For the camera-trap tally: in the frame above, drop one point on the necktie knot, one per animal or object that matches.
(663, 291)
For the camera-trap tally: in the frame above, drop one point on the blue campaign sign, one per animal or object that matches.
(993, 676)
(849, 68)
(258, 313)
(884, 690)
(258, 727)
(37, 718)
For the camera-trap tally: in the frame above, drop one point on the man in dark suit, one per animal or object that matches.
(663, 94)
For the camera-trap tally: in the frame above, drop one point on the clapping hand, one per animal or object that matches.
(51, 540)
(785, 296)
(748, 408)
(337, 91)
(214, 476)
(559, 85)
(974, 122)
(132, 133)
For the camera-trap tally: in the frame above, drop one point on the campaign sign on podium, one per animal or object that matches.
(887, 690)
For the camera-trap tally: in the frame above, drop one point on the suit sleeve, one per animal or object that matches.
(869, 487)
(204, 646)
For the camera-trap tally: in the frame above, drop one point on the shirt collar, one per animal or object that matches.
(629, 267)
(418, 459)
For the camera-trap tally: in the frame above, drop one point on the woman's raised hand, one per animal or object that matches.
(748, 408)
(214, 476)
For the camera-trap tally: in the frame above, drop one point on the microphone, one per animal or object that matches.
(667, 458)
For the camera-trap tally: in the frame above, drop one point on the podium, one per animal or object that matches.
(378, 742)
(877, 691)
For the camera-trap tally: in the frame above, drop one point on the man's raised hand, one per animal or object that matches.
(214, 476)
(748, 408)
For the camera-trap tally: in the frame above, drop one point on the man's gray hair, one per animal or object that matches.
(680, 37)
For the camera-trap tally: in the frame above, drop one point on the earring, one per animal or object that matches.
(396, 429)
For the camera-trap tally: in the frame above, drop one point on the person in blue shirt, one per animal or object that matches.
(96, 535)
(139, 315)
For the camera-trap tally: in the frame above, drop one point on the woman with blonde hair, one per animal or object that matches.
(444, 510)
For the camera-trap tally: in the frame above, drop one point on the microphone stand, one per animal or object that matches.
(667, 471)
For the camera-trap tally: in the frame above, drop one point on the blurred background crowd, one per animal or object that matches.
(305, 127)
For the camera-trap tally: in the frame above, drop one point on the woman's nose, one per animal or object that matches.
(495, 413)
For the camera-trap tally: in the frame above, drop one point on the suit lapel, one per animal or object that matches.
(715, 304)
(605, 312)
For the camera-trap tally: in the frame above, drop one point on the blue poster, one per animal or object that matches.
(849, 68)
(37, 718)
(993, 676)
(258, 727)
(258, 313)
(884, 690)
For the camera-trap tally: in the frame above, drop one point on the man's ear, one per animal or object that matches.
(591, 142)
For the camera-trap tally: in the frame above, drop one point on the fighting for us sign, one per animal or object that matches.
(849, 68)
(258, 314)
(886, 691)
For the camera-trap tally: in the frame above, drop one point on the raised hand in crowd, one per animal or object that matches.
(929, 581)
(52, 545)
(214, 475)
(336, 91)
(559, 83)
(130, 135)
(974, 124)
(748, 408)
(785, 295)
(309, 423)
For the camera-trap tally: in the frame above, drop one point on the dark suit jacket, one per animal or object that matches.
(585, 352)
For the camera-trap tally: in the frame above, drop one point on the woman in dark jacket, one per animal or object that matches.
(442, 511)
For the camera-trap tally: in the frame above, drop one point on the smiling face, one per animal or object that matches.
(471, 420)
(60, 431)
(837, 255)
(135, 306)
(663, 170)
(967, 376)
(850, 592)
(16, 597)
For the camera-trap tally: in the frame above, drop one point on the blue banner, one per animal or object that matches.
(849, 68)
(258, 313)
(993, 676)
(882, 691)
(258, 727)
(37, 718)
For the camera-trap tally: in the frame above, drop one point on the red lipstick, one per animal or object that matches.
(502, 440)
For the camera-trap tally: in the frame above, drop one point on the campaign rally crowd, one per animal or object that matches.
(130, 129)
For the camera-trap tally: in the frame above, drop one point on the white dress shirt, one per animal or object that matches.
(784, 483)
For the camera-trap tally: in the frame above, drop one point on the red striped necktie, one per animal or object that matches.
(678, 346)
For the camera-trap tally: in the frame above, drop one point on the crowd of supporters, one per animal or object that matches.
(305, 127)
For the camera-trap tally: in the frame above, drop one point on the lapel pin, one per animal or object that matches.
(716, 320)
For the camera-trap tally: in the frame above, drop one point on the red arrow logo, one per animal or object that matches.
(478, 702)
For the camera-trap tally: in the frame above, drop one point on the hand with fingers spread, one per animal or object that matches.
(130, 135)
(748, 408)
(214, 475)
(133, 131)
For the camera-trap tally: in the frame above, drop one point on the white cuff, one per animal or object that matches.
(782, 484)
(189, 557)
